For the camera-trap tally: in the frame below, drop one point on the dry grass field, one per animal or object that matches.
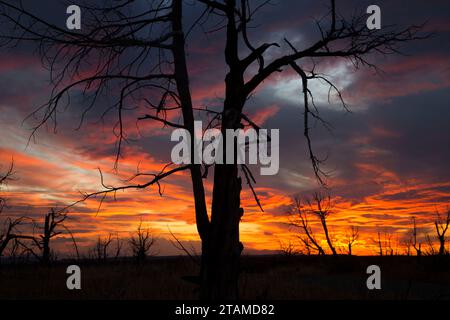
(262, 278)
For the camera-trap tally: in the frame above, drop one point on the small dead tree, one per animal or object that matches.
(4, 178)
(407, 244)
(101, 249)
(416, 245)
(380, 245)
(384, 243)
(301, 221)
(141, 243)
(351, 237)
(9, 231)
(431, 251)
(441, 225)
(388, 242)
(52, 221)
(288, 248)
(119, 245)
(307, 246)
(8, 234)
(322, 206)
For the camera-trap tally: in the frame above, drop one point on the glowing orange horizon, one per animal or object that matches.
(174, 212)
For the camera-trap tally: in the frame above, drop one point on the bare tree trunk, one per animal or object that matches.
(380, 246)
(221, 247)
(441, 246)
(224, 249)
(327, 235)
(46, 240)
(441, 230)
(417, 246)
(210, 276)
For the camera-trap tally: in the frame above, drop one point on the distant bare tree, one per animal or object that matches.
(4, 178)
(380, 245)
(431, 251)
(141, 243)
(441, 225)
(119, 245)
(389, 251)
(102, 249)
(5, 236)
(8, 233)
(415, 243)
(307, 245)
(322, 206)
(52, 222)
(384, 244)
(301, 221)
(9, 230)
(351, 237)
(288, 248)
(407, 244)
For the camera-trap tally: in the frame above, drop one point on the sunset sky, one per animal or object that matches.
(388, 159)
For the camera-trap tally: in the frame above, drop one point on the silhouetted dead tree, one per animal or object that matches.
(301, 221)
(322, 206)
(380, 245)
(441, 225)
(415, 243)
(118, 248)
(388, 244)
(101, 251)
(140, 52)
(101, 248)
(351, 237)
(9, 231)
(4, 178)
(384, 244)
(431, 251)
(104, 250)
(407, 245)
(288, 248)
(52, 222)
(141, 243)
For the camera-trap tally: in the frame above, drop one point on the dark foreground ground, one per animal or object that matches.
(263, 277)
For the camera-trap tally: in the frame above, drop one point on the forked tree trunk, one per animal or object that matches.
(327, 236)
(220, 261)
(221, 248)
